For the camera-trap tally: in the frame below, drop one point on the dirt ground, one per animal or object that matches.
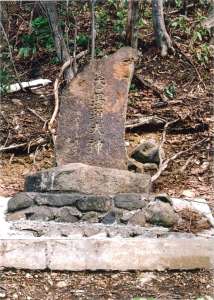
(107, 285)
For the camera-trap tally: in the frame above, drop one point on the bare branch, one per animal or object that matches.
(11, 57)
(56, 87)
(164, 165)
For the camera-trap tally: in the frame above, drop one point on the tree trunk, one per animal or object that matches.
(163, 40)
(209, 22)
(132, 24)
(60, 46)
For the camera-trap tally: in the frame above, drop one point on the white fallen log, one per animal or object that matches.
(15, 87)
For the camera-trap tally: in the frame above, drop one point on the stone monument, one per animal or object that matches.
(93, 112)
(91, 173)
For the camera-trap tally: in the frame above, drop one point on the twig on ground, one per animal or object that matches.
(183, 168)
(151, 86)
(22, 145)
(36, 114)
(172, 12)
(56, 87)
(143, 121)
(164, 139)
(165, 163)
(189, 60)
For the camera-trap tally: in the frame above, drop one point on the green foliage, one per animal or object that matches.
(181, 23)
(133, 87)
(200, 32)
(40, 37)
(54, 60)
(203, 54)
(5, 79)
(82, 40)
(102, 18)
(197, 33)
(120, 22)
(178, 3)
(170, 90)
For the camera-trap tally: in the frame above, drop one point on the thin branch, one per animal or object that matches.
(22, 145)
(164, 138)
(36, 114)
(11, 57)
(164, 165)
(56, 87)
(145, 121)
(151, 86)
(189, 60)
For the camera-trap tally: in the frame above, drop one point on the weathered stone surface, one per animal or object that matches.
(129, 201)
(107, 253)
(93, 112)
(20, 201)
(67, 214)
(23, 254)
(57, 199)
(147, 152)
(112, 217)
(43, 213)
(81, 178)
(138, 219)
(95, 203)
(135, 166)
(91, 217)
(161, 213)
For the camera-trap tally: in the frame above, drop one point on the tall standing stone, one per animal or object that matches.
(91, 124)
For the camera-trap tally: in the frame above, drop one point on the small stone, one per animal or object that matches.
(138, 219)
(18, 215)
(91, 217)
(188, 193)
(160, 213)
(164, 198)
(61, 284)
(67, 214)
(150, 167)
(20, 201)
(135, 166)
(127, 215)
(2, 294)
(130, 201)
(42, 213)
(58, 200)
(94, 203)
(110, 218)
(147, 152)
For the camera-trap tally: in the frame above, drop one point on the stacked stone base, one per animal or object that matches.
(78, 192)
(81, 193)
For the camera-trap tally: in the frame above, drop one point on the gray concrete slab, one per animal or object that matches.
(35, 245)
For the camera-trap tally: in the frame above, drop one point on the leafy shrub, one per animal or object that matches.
(82, 40)
(40, 37)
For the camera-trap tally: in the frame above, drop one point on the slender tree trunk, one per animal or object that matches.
(209, 22)
(60, 46)
(93, 30)
(132, 24)
(162, 38)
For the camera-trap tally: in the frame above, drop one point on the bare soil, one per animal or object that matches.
(106, 285)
